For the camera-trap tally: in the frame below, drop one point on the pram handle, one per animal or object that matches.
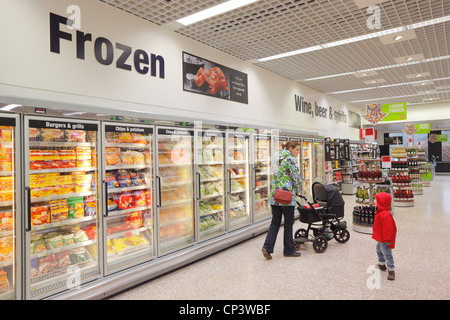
(304, 198)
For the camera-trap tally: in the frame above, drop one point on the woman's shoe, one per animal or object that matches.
(266, 254)
(295, 254)
(391, 275)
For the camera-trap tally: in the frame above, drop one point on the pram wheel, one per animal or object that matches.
(320, 244)
(300, 233)
(342, 235)
(297, 246)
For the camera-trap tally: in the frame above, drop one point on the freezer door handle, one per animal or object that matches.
(28, 195)
(254, 177)
(199, 189)
(229, 181)
(105, 185)
(158, 180)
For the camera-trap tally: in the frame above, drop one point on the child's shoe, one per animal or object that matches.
(391, 275)
(382, 267)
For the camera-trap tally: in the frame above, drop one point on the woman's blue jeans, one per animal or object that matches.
(385, 255)
(288, 239)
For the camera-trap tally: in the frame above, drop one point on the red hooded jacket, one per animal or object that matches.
(384, 228)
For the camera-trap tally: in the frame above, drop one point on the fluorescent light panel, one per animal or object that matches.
(380, 68)
(214, 11)
(388, 85)
(409, 95)
(358, 38)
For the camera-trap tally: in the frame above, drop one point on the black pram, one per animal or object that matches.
(323, 218)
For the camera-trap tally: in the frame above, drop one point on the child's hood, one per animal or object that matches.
(384, 201)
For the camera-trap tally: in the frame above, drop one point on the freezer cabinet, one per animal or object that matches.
(238, 178)
(10, 208)
(128, 193)
(210, 183)
(262, 155)
(175, 198)
(62, 204)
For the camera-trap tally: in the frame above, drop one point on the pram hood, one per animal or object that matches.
(328, 193)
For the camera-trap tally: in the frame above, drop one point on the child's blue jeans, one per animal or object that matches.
(385, 255)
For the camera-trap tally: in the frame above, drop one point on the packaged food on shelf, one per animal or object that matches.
(6, 220)
(4, 283)
(59, 210)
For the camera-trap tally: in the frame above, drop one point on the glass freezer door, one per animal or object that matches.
(306, 167)
(319, 161)
(62, 190)
(9, 208)
(238, 177)
(175, 188)
(211, 183)
(261, 176)
(128, 187)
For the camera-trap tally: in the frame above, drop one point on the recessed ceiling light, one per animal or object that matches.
(398, 38)
(374, 81)
(359, 38)
(418, 76)
(385, 86)
(365, 74)
(409, 59)
(214, 11)
(380, 68)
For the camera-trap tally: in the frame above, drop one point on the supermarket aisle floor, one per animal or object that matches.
(344, 271)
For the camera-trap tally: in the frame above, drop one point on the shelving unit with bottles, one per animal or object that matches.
(401, 181)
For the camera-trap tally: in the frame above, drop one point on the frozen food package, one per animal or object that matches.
(127, 157)
(34, 134)
(52, 135)
(90, 206)
(76, 207)
(47, 264)
(4, 284)
(80, 236)
(79, 255)
(68, 239)
(113, 156)
(59, 210)
(56, 242)
(63, 259)
(139, 138)
(5, 133)
(34, 269)
(112, 137)
(75, 136)
(125, 137)
(135, 219)
(40, 214)
(91, 231)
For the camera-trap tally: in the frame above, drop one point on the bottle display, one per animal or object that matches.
(364, 215)
(370, 172)
(128, 185)
(307, 175)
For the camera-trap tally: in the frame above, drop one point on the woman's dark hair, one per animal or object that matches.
(290, 144)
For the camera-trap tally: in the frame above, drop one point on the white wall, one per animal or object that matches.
(28, 70)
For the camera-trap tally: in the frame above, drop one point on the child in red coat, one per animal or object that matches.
(384, 232)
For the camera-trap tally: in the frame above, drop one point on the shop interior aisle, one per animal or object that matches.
(343, 271)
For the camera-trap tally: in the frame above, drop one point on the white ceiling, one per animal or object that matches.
(270, 27)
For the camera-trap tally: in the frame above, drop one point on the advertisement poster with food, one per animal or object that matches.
(212, 79)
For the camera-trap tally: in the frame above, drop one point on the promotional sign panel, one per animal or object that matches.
(385, 112)
(422, 128)
(212, 79)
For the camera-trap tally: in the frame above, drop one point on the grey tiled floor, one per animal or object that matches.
(344, 271)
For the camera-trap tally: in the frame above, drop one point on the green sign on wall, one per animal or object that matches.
(422, 128)
(394, 111)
